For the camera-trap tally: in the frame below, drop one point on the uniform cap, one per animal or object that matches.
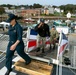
(11, 17)
(53, 26)
(42, 20)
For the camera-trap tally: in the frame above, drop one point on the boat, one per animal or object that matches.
(29, 20)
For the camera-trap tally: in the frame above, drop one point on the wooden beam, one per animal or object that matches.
(34, 68)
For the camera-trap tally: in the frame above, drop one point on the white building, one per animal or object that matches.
(10, 11)
(49, 9)
(57, 10)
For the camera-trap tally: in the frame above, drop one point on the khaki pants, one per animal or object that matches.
(41, 41)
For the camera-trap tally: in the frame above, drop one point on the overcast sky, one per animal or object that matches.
(42, 2)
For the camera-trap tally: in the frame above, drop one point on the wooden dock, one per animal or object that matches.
(34, 68)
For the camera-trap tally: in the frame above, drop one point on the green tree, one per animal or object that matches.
(37, 5)
(68, 7)
(31, 6)
(54, 6)
(2, 10)
(9, 6)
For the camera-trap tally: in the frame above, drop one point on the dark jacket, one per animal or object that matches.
(43, 31)
(15, 33)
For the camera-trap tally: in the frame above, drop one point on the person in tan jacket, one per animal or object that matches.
(54, 37)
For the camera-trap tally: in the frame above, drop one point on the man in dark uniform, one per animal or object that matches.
(15, 43)
(43, 31)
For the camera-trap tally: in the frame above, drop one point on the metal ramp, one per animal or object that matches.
(42, 57)
(3, 46)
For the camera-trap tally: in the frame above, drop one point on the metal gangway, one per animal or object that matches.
(3, 45)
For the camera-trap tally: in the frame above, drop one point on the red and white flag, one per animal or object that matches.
(32, 40)
(32, 44)
(63, 42)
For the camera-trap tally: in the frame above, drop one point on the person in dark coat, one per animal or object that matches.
(43, 32)
(15, 43)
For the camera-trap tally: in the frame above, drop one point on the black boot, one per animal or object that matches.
(50, 47)
(43, 50)
(38, 49)
(28, 62)
(54, 47)
(8, 72)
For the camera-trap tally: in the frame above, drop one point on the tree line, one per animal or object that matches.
(18, 6)
(69, 7)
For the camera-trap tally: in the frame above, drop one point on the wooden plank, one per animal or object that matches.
(34, 68)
